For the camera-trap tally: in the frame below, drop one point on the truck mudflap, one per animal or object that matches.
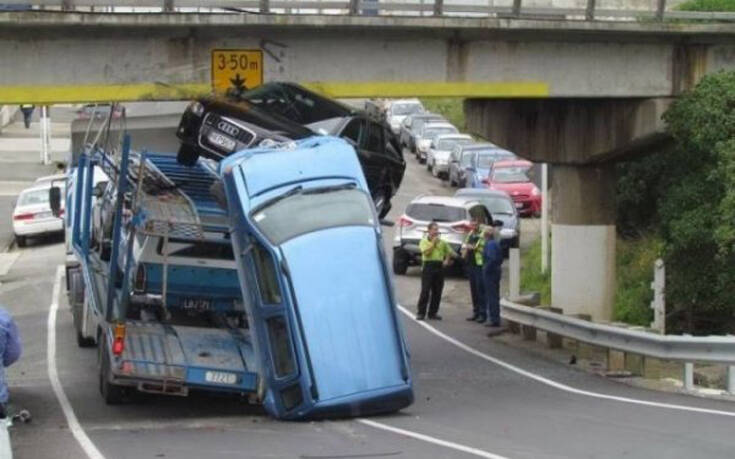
(172, 359)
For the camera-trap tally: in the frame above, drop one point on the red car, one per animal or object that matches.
(513, 177)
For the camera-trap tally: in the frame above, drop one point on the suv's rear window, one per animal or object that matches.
(439, 213)
(197, 249)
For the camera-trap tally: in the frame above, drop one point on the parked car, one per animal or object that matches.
(49, 179)
(469, 165)
(32, 213)
(437, 158)
(502, 208)
(399, 110)
(453, 216)
(427, 132)
(216, 128)
(411, 127)
(512, 178)
(378, 151)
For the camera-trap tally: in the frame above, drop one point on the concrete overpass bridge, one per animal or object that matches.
(574, 93)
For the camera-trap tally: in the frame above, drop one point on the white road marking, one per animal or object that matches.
(558, 385)
(76, 429)
(93, 453)
(429, 439)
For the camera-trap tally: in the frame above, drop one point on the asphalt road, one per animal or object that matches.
(467, 404)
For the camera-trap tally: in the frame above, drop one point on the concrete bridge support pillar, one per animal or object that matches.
(583, 240)
(581, 138)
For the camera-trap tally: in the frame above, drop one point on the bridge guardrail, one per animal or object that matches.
(687, 349)
(441, 8)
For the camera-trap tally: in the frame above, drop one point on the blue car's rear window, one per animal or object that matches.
(312, 210)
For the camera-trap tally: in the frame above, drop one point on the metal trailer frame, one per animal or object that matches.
(153, 356)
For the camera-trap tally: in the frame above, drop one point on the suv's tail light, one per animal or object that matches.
(23, 217)
(463, 227)
(139, 283)
(405, 221)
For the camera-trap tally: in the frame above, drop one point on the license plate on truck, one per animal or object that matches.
(196, 304)
(220, 377)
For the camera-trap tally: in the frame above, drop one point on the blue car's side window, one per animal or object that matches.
(266, 272)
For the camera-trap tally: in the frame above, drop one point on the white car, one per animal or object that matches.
(399, 110)
(429, 131)
(437, 159)
(32, 213)
(49, 179)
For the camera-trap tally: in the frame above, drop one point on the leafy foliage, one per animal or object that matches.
(532, 279)
(708, 5)
(450, 108)
(687, 196)
(634, 260)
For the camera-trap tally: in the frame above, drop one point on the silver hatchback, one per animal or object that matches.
(453, 215)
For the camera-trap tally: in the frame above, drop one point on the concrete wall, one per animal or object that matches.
(135, 56)
(581, 276)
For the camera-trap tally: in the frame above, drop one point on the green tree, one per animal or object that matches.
(687, 195)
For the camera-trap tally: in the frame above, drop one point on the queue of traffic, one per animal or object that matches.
(494, 185)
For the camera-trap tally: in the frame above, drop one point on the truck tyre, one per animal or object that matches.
(400, 262)
(111, 393)
(20, 240)
(84, 342)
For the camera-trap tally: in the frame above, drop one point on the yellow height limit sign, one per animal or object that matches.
(236, 69)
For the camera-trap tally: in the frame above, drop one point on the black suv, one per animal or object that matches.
(218, 127)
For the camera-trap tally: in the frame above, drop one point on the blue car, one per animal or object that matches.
(469, 165)
(315, 283)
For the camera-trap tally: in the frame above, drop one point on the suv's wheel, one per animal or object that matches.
(400, 262)
(187, 155)
(20, 240)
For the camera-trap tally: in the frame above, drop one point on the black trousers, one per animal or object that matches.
(432, 284)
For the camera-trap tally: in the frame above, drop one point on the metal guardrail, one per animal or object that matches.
(442, 8)
(687, 349)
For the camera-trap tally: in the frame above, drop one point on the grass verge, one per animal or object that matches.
(634, 260)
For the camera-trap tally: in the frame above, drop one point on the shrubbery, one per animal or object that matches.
(686, 195)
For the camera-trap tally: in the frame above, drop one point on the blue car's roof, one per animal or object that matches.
(319, 157)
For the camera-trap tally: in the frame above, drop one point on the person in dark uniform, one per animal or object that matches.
(492, 258)
(435, 255)
(27, 114)
(472, 256)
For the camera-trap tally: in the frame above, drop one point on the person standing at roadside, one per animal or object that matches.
(10, 349)
(27, 114)
(472, 249)
(492, 258)
(435, 255)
